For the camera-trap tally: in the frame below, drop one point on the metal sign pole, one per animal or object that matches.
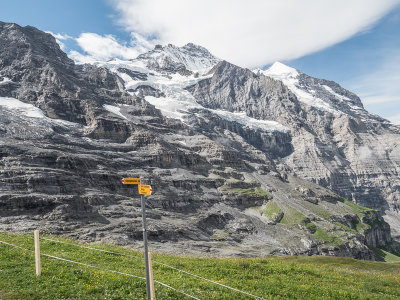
(146, 255)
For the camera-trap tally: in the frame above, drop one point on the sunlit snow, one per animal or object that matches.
(5, 80)
(178, 102)
(114, 109)
(242, 118)
(340, 97)
(289, 76)
(25, 109)
(28, 110)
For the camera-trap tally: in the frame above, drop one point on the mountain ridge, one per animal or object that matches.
(227, 180)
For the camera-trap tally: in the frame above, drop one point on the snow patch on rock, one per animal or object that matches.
(15, 106)
(5, 80)
(25, 109)
(290, 77)
(340, 97)
(116, 110)
(242, 118)
(178, 102)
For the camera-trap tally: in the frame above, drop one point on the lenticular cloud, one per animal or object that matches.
(252, 33)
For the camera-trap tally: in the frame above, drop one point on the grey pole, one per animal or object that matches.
(146, 254)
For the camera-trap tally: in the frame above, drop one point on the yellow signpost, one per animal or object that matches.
(145, 189)
(130, 180)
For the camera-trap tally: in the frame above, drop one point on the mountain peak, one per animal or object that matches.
(280, 69)
(193, 58)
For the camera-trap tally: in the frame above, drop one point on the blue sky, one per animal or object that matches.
(355, 43)
(367, 64)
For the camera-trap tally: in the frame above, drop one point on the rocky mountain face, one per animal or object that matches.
(338, 144)
(241, 162)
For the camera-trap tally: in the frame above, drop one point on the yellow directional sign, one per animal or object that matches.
(130, 180)
(145, 189)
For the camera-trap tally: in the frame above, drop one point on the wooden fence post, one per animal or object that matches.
(152, 290)
(37, 252)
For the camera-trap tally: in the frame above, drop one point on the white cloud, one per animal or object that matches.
(395, 119)
(60, 37)
(81, 58)
(379, 89)
(102, 48)
(255, 32)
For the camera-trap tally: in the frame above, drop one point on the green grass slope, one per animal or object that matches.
(269, 278)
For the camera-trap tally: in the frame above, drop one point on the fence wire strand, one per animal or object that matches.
(103, 269)
(160, 263)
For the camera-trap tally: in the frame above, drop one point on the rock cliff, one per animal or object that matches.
(238, 163)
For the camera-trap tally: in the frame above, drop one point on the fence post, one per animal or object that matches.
(37, 252)
(152, 290)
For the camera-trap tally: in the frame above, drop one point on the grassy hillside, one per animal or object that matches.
(272, 277)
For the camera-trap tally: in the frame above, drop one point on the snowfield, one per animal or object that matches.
(290, 77)
(17, 107)
(178, 103)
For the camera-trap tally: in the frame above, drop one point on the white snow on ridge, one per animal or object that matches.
(25, 109)
(242, 118)
(340, 97)
(116, 110)
(289, 76)
(5, 80)
(195, 58)
(193, 61)
(280, 71)
(173, 108)
(178, 109)
(177, 101)
(16, 106)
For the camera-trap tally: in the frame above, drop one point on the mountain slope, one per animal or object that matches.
(336, 143)
(218, 143)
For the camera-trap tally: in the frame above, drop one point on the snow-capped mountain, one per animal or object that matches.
(165, 88)
(219, 143)
(319, 93)
(185, 60)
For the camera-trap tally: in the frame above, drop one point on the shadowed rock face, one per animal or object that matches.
(41, 74)
(69, 133)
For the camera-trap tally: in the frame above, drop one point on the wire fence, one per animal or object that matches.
(102, 269)
(160, 263)
(131, 275)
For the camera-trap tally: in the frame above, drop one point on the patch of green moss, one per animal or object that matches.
(358, 209)
(272, 210)
(360, 226)
(320, 211)
(345, 228)
(260, 192)
(326, 236)
(322, 234)
(392, 247)
(385, 255)
(292, 216)
(312, 228)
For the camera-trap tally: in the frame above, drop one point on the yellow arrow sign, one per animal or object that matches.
(130, 180)
(145, 189)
